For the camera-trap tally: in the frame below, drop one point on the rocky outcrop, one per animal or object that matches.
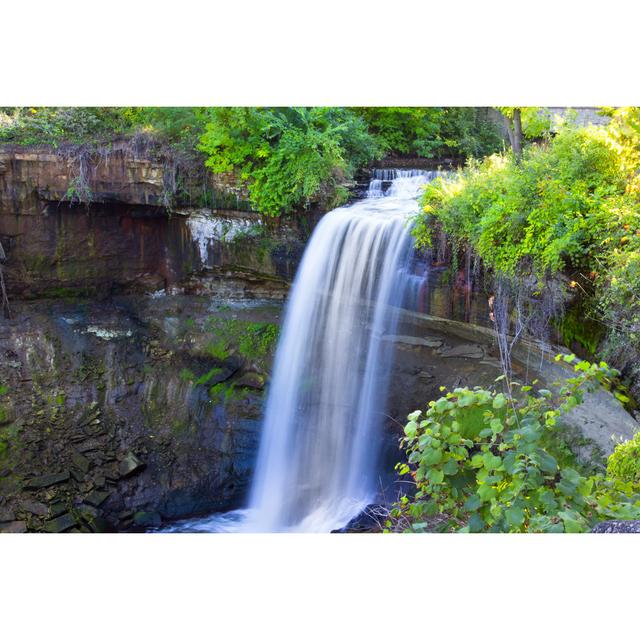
(123, 220)
(126, 414)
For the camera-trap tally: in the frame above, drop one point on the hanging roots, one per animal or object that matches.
(521, 308)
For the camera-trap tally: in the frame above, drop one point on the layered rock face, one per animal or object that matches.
(129, 413)
(121, 222)
(122, 407)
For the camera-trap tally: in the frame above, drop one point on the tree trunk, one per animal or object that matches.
(517, 134)
(514, 130)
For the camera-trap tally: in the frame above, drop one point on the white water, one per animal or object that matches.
(316, 466)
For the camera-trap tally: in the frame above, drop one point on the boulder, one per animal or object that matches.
(6, 514)
(130, 465)
(34, 507)
(81, 462)
(96, 498)
(76, 474)
(57, 509)
(145, 519)
(41, 482)
(100, 525)
(60, 524)
(17, 526)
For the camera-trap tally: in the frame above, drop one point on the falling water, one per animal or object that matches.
(316, 466)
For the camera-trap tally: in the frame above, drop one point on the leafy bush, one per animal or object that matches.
(549, 212)
(56, 125)
(432, 131)
(571, 206)
(289, 156)
(484, 461)
(624, 462)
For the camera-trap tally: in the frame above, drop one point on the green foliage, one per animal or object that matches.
(550, 211)
(577, 327)
(432, 131)
(484, 461)
(176, 127)
(206, 377)
(290, 157)
(536, 121)
(186, 375)
(571, 204)
(254, 341)
(56, 125)
(624, 462)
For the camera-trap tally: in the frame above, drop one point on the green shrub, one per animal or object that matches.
(290, 157)
(484, 461)
(624, 462)
(56, 125)
(432, 131)
(550, 211)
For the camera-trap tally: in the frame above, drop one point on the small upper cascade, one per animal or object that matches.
(400, 183)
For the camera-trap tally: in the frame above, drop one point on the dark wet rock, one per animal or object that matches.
(130, 465)
(251, 380)
(617, 526)
(370, 520)
(474, 351)
(60, 524)
(81, 462)
(197, 453)
(414, 341)
(57, 509)
(87, 512)
(49, 480)
(92, 444)
(36, 508)
(76, 474)
(146, 519)
(96, 498)
(7, 514)
(125, 518)
(17, 526)
(101, 525)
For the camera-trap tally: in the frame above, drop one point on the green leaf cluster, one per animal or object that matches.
(552, 210)
(571, 206)
(432, 131)
(484, 461)
(624, 462)
(289, 157)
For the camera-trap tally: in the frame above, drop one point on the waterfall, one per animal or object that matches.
(316, 466)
